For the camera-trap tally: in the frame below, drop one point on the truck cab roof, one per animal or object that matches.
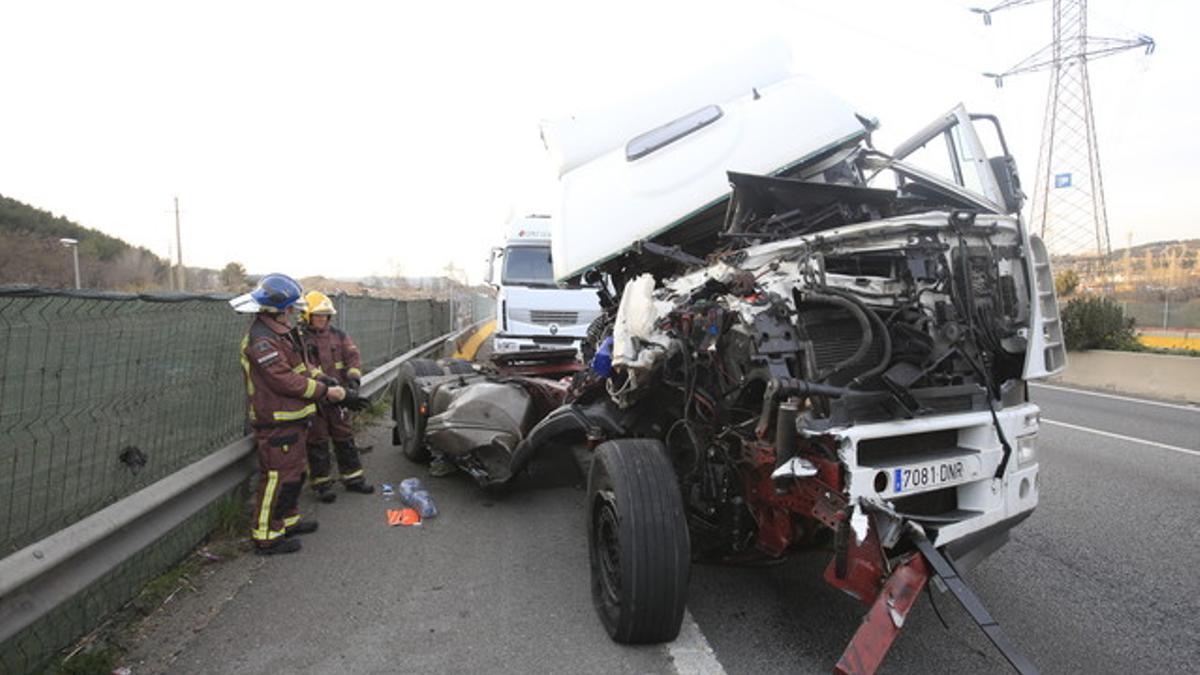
(667, 181)
(531, 230)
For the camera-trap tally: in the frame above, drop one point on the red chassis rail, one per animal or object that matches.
(861, 569)
(886, 617)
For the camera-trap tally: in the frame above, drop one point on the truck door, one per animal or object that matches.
(948, 158)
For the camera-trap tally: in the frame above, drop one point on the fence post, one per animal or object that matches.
(341, 310)
(392, 332)
(412, 338)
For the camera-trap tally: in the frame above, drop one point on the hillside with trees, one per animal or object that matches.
(31, 253)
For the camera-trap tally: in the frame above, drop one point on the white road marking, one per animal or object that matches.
(1156, 444)
(1087, 392)
(691, 653)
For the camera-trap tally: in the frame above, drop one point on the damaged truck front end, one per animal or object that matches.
(836, 366)
(791, 358)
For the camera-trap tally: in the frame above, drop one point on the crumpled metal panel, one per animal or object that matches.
(472, 414)
(478, 421)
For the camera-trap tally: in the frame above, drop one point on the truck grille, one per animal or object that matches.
(544, 317)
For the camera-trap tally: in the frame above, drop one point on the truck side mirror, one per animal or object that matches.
(491, 267)
(1005, 170)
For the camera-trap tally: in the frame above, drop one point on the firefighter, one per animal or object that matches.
(332, 351)
(283, 393)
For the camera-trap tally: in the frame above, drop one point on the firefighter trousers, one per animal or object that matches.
(332, 423)
(281, 464)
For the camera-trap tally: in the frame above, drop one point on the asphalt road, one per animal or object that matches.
(1101, 579)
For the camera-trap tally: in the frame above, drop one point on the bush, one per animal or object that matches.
(1098, 323)
(1065, 282)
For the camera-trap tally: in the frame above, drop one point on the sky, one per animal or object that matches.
(376, 138)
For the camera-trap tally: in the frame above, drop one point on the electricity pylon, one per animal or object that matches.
(1068, 207)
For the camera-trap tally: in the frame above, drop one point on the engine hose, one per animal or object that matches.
(796, 387)
(884, 335)
(787, 386)
(857, 312)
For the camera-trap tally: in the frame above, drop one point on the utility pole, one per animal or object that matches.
(1068, 208)
(179, 250)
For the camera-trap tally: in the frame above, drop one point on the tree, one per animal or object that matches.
(1065, 282)
(233, 277)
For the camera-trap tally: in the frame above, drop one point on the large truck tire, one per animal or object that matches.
(638, 541)
(457, 367)
(421, 367)
(407, 399)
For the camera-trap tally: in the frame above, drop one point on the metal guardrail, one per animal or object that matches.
(47, 573)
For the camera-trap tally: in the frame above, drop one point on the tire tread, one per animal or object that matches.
(655, 549)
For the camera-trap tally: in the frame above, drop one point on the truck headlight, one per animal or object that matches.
(1026, 450)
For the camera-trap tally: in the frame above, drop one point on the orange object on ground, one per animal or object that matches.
(404, 517)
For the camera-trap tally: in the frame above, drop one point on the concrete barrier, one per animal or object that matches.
(1153, 375)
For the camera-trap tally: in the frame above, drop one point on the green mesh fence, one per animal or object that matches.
(102, 394)
(1173, 313)
(480, 308)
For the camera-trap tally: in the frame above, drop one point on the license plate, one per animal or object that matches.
(927, 476)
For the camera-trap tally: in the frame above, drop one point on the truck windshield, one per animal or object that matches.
(528, 266)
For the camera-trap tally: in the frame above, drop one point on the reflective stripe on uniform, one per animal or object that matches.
(352, 475)
(246, 365)
(264, 532)
(293, 415)
(291, 521)
(320, 480)
(310, 389)
(300, 368)
(339, 365)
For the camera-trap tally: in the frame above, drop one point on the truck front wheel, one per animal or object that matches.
(638, 540)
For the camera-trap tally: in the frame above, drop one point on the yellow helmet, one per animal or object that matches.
(318, 303)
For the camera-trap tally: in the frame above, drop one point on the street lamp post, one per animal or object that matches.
(73, 244)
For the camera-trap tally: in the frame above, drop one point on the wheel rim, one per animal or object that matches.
(606, 553)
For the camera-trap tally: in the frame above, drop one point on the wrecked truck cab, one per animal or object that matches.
(812, 349)
(801, 356)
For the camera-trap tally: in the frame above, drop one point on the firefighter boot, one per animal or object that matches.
(302, 527)
(351, 467)
(360, 486)
(278, 546)
(325, 494)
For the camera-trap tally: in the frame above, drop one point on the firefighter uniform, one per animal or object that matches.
(283, 399)
(334, 354)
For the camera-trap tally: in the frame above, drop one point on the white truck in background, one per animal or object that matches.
(532, 312)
